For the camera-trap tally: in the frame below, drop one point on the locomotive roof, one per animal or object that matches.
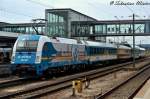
(29, 37)
(101, 44)
(71, 41)
(82, 42)
(66, 40)
(143, 49)
(124, 47)
(137, 47)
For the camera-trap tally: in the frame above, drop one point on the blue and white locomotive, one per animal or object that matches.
(41, 55)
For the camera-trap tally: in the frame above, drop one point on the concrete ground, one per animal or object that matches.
(144, 93)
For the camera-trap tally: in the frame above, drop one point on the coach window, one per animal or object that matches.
(109, 51)
(115, 51)
(112, 51)
(91, 51)
(98, 50)
(94, 50)
(102, 51)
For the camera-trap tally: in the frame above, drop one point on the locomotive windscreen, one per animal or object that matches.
(26, 45)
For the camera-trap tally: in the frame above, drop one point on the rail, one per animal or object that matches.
(62, 83)
(129, 87)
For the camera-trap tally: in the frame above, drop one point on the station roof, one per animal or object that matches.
(9, 34)
(8, 37)
(21, 24)
(69, 9)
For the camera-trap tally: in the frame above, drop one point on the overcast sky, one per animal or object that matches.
(16, 11)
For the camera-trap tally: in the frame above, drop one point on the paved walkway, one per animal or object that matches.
(144, 93)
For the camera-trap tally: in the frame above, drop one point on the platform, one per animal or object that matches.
(144, 93)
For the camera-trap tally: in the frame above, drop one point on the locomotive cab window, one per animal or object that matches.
(26, 45)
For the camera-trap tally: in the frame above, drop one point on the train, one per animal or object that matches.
(39, 55)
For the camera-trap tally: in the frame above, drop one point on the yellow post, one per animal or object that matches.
(76, 86)
(73, 88)
(79, 86)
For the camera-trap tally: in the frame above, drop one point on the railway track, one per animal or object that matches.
(61, 83)
(14, 82)
(5, 70)
(129, 87)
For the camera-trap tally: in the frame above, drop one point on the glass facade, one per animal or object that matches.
(101, 29)
(56, 25)
(23, 29)
(59, 22)
(112, 29)
(125, 28)
(80, 29)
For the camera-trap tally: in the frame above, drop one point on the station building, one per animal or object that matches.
(73, 24)
(59, 23)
